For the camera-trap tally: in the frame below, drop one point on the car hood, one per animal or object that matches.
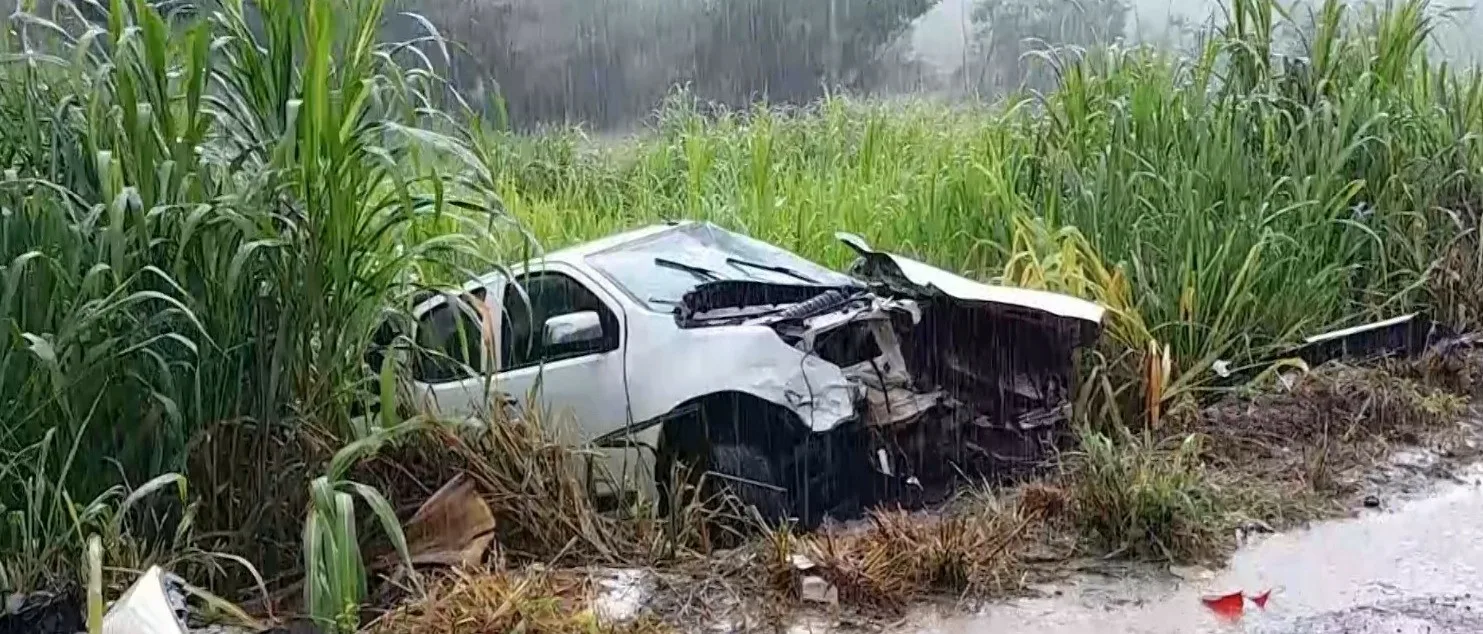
(904, 276)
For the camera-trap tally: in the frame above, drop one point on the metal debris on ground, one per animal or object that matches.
(42, 613)
(624, 594)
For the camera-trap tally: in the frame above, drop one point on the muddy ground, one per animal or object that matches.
(1413, 564)
(1382, 460)
(1403, 556)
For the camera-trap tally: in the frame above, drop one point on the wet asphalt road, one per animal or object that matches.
(1414, 568)
(1430, 615)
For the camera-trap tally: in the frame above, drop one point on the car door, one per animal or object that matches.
(578, 385)
(575, 386)
(576, 382)
(452, 368)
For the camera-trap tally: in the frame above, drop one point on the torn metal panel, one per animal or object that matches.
(1406, 335)
(1005, 351)
(908, 276)
(942, 364)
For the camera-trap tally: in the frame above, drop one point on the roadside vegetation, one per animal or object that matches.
(206, 212)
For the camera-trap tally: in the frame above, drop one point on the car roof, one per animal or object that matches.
(576, 252)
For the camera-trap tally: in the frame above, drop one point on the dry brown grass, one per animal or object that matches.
(893, 557)
(544, 512)
(1288, 455)
(1333, 419)
(1281, 453)
(495, 602)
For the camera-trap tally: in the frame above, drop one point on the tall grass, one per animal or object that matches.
(1233, 199)
(205, 216)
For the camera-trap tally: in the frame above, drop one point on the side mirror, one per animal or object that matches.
(581, 327)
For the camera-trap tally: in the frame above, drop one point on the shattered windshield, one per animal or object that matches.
(658, 271)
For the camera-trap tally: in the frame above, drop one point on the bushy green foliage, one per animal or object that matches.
(204, 217)
(1135, 496)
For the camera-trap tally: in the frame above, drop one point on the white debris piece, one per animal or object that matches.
(144, 609)
(624, 594)
(1192, 573)
(801, 562)
(817, 590)
(1222, 368)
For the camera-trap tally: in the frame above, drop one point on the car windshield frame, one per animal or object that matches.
(646, 270)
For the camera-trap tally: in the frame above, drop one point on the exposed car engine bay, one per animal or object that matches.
(944, 386)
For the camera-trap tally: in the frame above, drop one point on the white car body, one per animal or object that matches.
(647, 361)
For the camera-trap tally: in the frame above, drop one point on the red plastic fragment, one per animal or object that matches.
(1227, 607)
(1261, 599)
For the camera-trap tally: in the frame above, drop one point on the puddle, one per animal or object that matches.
(1410, 568)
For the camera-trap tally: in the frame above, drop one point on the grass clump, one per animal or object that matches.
(1142, 498)
(893, 557)
(533, 601)
(543, 509)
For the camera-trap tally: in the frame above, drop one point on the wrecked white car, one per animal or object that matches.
(804, 388)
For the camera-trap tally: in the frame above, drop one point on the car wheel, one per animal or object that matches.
(754, 478)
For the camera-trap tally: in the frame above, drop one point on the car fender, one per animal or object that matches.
(676, 366)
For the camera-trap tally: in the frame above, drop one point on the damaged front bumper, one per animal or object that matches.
(985, 374)
(951, 377)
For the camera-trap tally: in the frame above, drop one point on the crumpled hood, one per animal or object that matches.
(1007, 351)
(904, 275)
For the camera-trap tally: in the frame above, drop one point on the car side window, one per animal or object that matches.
(551, 294)
(450, 342)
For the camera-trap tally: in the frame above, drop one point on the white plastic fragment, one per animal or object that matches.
(1222, 368)
(817, 590)
(624, 595)
(801, 562)
(144, 609)
(14, 603)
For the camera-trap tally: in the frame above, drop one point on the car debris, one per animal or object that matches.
(815, 589)
(42, 612)
(155, 604)
(1404, 336)
(454, 527)
(805, 391)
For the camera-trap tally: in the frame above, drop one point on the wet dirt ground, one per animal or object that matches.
(1414, 567)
